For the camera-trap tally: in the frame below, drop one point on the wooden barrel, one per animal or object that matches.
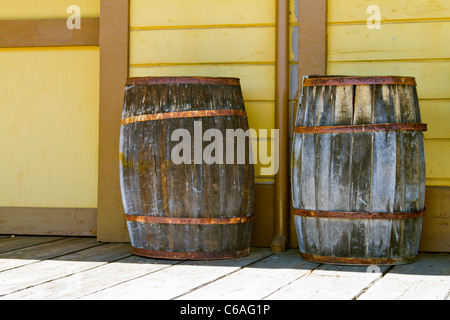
(358, 170)
(185, 209)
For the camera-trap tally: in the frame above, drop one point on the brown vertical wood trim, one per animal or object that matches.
(114, 25)
(282, 124)
(48, 33)
(312, 38)
(262, 228)
(48, 221)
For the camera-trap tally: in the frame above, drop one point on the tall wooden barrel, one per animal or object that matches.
(198, 206)
(358, 170)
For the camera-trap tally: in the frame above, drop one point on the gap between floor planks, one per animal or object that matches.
(82, 268)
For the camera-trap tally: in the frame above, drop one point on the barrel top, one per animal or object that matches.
(316, 81)
(182, 80)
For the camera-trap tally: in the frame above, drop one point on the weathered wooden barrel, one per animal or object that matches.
(358, 170)
(183, 198)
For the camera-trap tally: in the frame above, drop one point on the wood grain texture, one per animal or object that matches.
(381, 171)
(80, 284)
(427, 279)
(262, 279)
(43, 250)
(28, 275)
(152, 184)
(327, 282)
(86, 269)
(9, 243)
(180, 279)
(257, 83)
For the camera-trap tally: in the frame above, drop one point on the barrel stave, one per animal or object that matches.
(152, 185)
(364, 239)
(374, 171)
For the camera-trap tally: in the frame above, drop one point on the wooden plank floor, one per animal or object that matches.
(50, 268)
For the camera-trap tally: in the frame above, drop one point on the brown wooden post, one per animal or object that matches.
(113, 74)
(312, 55)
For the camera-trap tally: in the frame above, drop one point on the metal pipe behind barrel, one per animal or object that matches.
(282, 124)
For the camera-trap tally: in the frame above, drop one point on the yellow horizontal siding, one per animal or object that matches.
(344, 11)
(49, 115)
(260, 114)
(175, 13)
(170, 13)
(236, 45)
(412, 41)
(157, 46)
(46, 9)
(436, 113)
(393, 41)
(437, 159)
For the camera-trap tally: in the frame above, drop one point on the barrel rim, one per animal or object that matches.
(182, 80)
(380, 261)
(190, 255)
(318, 80)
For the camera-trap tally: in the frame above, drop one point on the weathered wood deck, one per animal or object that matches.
(50, 268)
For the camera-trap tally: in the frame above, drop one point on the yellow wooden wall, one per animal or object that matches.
(217, 38)
(49, 115)
(413, 41)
